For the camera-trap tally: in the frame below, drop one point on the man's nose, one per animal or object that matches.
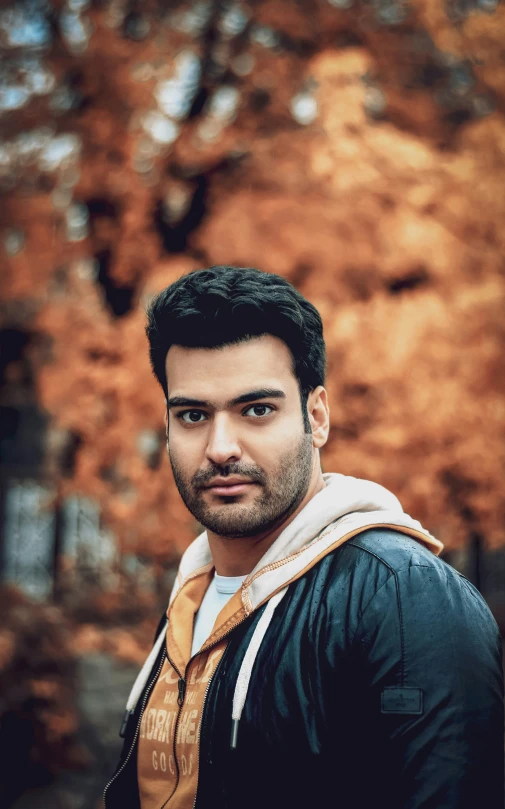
(223, 446)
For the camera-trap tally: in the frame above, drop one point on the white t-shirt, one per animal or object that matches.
(219, 591)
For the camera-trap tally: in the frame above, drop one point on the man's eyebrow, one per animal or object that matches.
(182, 401)
(251, 396)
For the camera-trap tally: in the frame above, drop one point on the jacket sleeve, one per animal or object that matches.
(431, 653)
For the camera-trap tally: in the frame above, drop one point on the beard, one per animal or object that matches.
(281, 493)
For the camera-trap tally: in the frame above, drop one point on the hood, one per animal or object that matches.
(344, 508)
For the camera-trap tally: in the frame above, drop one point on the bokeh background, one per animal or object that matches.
(356, 147)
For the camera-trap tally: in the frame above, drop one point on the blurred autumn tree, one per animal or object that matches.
(38, 684)
(357, 148)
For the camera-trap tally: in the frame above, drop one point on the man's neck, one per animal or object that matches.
(238, 557)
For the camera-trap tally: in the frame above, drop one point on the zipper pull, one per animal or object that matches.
(182, 690)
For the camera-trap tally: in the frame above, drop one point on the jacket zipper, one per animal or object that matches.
(181, 686)
(144, 702)
(200, 733)
(205, 699)
(180, 701)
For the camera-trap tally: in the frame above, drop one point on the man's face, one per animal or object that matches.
(235, 412)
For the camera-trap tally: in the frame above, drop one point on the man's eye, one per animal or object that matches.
(191, 416)
(259, 410)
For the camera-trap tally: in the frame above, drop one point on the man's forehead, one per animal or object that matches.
(243, 361)
(221, 375)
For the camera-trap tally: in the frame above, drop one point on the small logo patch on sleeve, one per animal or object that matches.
(402, 700)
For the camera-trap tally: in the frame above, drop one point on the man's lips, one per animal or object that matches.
(230, 488)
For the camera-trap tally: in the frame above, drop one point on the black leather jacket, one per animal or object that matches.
(379, 683)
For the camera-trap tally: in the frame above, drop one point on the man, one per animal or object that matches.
(317, 652)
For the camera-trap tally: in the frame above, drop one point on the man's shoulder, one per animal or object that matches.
(395, 550)
(381, 555)
(377, 555)
(403, 576)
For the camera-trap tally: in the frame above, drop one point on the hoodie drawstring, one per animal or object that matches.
(243, 679)
(244, 675)
(142, 678)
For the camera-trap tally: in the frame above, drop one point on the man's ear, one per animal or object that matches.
(319, 416)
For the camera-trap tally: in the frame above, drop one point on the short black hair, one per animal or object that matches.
(225, 305)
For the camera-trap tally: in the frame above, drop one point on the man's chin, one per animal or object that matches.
(236, 528)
